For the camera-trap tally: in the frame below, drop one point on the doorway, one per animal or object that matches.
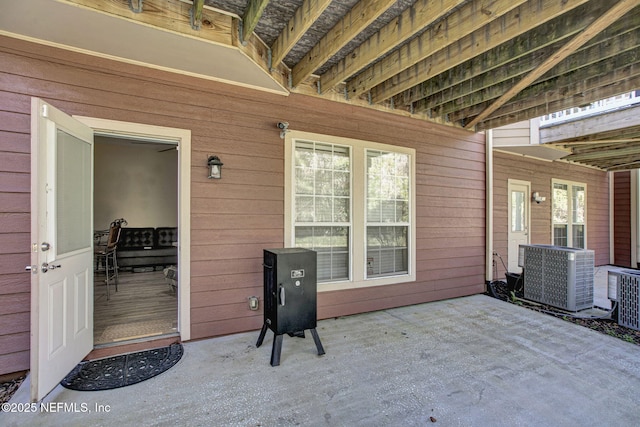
(62, 283)
(136, 183)
(519, 206)
(176, 142)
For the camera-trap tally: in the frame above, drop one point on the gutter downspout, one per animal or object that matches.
(635, 238)
(489, 206)
(612, 225)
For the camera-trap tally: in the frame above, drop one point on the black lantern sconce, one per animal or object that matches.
(215, 167)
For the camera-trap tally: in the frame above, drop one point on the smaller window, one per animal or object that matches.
(387, 213)
(569, 214)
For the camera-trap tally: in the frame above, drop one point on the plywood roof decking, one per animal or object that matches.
(477, 64)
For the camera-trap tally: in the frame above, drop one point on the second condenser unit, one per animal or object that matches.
(558, 276)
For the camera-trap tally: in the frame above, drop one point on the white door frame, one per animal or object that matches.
(181, 137)
(512, 263)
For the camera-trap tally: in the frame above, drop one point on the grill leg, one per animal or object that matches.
(316, 339)
(262, 334)
(276, 349)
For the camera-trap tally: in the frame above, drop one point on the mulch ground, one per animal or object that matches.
(7, 388)
(498, 289)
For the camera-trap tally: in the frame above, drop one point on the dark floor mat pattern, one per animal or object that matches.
(121, 371)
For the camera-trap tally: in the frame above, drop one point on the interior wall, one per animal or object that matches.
(137, 182)
(540, 174)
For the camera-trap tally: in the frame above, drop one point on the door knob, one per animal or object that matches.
(46, 267)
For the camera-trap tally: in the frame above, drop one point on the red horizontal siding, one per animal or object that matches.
(235, 218)
(540, 174)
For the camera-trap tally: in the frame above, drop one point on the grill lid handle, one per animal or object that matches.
(281, 295)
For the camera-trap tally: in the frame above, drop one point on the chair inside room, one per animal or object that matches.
(106, 259)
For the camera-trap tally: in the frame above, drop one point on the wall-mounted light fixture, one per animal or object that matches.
(536, 197)
(215, 167)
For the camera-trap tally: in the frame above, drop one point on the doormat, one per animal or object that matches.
(121, 371)
(133, 330)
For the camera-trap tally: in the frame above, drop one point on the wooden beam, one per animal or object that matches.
(614, 152)
(544, 96)
(624, 166)
(502, 30)
(467, 19)
(591, 31)
(585, 93)
(400, 29)
(353, 22)
(604, 58)
(522, 54)
(172, 15)
(605, 147)
(251, 17)
(587, 144)
(597, 127)
(302, 20)
(196, 14)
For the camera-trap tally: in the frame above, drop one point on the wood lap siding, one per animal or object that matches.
(15, 147)
(622, 219)
(540, 173)
(235, 218)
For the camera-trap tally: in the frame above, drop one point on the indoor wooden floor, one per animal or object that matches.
(143, 307)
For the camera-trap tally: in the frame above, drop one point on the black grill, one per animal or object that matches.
(290, 296)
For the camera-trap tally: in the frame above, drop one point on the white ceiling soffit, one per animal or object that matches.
(79, 29)
(536, 151)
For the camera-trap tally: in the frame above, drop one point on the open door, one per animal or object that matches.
(61, 245)
(519, 209)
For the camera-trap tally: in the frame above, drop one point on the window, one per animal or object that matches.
(353, 203)
(569, 214)
(323, 204)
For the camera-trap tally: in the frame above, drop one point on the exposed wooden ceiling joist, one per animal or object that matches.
(356, 20)
(591, 31)
(441, 60)
(522, 55)
(500, 28)
(297, 26)
(196, 14)
(252, 16)
(411, 22)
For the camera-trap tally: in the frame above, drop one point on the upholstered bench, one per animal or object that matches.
(144, 247)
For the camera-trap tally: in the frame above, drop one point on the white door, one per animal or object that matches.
(62, 245)
(519, 209)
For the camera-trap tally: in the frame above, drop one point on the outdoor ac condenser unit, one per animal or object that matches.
(558, 276)
(624, 288)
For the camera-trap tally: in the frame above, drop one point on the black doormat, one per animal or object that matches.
(123, 370)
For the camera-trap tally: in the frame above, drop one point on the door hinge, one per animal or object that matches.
(45, 111)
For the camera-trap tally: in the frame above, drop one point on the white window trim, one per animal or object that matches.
(358, 253)
(570, 185)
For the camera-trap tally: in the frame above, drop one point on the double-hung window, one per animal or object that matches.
(353, 202)
(569, 214)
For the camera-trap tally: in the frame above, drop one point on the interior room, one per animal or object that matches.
(136, 197)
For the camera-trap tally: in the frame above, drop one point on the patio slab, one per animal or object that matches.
(473, 361)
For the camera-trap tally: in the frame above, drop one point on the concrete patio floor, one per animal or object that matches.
(473, 361)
